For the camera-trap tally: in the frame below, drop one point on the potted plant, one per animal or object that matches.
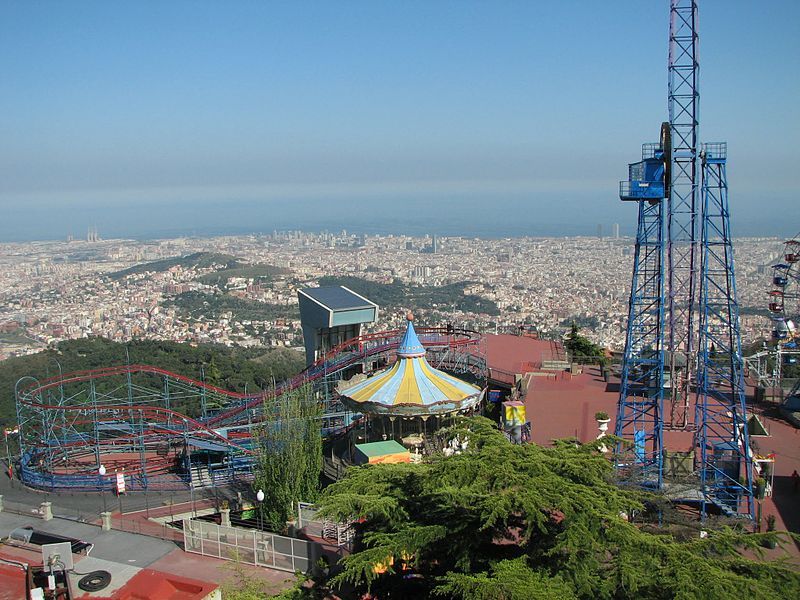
(602, 424)
(771, 542)
(760, 488)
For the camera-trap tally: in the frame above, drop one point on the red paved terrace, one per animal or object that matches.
(561, 405)
(520, 354)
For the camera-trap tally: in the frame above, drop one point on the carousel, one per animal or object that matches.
(398, 401)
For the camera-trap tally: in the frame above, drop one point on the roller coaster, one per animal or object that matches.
(165, 431)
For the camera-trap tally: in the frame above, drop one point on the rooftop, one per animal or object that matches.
(141, 566)
(337, 298)
(380, 448)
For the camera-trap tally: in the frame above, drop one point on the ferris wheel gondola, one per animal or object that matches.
(784, 299)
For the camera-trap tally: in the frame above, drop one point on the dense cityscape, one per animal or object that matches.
(52, 291)
(397, 301)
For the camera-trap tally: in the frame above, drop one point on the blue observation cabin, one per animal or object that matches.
(790, 359)
(781, 328)
(780, 275)
(727, 469)
(646, 177)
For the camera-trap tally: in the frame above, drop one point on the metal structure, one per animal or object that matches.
(250, 546)
(165, 431)
(684, 96)
(639, 416)
(723, 447)
(670, 353)
(784, 307)
(767, 367)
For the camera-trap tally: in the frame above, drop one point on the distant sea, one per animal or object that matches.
(550, 216)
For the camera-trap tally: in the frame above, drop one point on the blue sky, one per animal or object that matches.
(118, 108)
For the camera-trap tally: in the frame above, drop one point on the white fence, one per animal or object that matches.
(308, 521)
(260, 548)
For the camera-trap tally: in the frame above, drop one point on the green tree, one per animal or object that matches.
(579, 346)
(289, 460)
(213, 376)
(502, 521)
(228, 368)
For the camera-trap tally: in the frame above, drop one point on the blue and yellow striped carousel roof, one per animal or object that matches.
(412, 382)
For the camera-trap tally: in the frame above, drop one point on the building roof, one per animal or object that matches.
(127, 581)
(337, 298)
(411, 386)
(380, 448)
(12, 581)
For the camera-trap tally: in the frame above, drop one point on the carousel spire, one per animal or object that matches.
(411, 386)
(410, 346)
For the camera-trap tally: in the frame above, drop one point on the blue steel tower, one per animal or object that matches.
(722, 442)
(640, 409)
(684, 100)
(662, 367)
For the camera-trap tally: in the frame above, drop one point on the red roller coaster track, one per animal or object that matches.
(160, 424)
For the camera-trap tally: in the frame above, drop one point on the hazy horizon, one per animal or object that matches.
(468, 218)
(151, 118)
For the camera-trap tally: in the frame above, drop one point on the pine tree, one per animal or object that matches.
(503, 521)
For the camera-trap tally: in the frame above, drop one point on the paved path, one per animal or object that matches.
(83, 506)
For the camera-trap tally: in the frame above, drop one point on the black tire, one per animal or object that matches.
(94, 581)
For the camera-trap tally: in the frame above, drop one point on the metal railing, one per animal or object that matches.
(140, 526)
(715, 150)
(309, 521)
(59, 512)
(250, 546)
(147, 527)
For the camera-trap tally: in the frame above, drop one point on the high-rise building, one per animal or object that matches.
(434, 245)
(615, 230)
(600, 230)
(422, 271)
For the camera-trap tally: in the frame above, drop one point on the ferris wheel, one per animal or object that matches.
(784, 299)
(784, 302)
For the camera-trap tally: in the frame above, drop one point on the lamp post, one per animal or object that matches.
(8, 456)
(102, 472)
(260, 498)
